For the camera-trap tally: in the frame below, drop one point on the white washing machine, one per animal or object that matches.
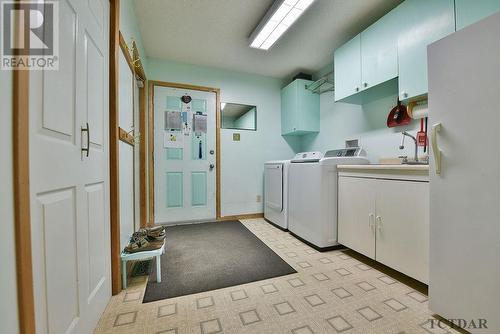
(312, 194)
(276, 192)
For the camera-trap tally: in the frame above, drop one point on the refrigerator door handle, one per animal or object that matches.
(435, 149)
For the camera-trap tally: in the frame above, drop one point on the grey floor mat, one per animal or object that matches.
(209, 256)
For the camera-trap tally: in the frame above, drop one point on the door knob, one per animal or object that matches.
(212, 152)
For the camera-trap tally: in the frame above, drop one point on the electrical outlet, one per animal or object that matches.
(259, 198)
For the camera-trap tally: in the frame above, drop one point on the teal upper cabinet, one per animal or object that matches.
(347, 64)
(379, 50)
(426, 22)
(470, 11)
(368, 60)
(299, 109)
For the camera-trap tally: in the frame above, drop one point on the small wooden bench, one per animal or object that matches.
(142, 256)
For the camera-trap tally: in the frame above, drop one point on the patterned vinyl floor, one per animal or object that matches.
(331, 293)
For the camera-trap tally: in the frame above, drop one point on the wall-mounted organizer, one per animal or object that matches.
(173, 125)
(199, 146)
(199, 130)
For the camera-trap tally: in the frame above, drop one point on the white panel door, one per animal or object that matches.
(356, 214)
(69, 191)
(402, 222)
(184, 160)
(464, 83)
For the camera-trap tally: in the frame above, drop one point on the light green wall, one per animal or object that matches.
(341, 121)
(130, 28)
(242, 162)
(8, 287)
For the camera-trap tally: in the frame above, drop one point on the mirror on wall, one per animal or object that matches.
(238, 116)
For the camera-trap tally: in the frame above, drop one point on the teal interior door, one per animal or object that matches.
(184, 155)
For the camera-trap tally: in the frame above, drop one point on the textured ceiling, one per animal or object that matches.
(215, 33)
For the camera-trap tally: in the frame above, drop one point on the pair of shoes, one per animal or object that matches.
(139, 243)
(146, 239)
(156, 233)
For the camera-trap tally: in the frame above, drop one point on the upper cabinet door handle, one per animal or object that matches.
(87, 131)
(365, 84)
(435, 149)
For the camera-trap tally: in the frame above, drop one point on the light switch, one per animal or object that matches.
(236, 137)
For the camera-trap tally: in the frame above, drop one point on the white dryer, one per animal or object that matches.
(312, 194)
(276, 192)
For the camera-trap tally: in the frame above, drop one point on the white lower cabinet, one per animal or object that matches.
(386, 220)
(356, 214)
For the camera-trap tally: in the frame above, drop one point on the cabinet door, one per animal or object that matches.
(308, 108)
(356, 214)
(379, 50)
(468, 12)
(347, 69)
(288, 108)
(426, 22)
(402, 223)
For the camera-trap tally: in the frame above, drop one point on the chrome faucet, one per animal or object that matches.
(402, 146)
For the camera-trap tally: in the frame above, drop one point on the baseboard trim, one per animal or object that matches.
(238, 217)
(319, 249)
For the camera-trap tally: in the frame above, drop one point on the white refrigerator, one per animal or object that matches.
(464, 98)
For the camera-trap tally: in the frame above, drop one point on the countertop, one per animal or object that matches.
(386, 171)
(385, 167)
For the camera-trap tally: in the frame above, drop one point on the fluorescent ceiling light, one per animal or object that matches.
(281, 15)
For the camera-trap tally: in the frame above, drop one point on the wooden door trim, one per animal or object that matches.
(114, 138)
(143, 156)
(151, 85)
(22, 196)
(22, 217)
